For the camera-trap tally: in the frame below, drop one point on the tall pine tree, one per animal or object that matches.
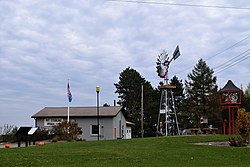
(129, 94)
(179, 98)
(201, 94)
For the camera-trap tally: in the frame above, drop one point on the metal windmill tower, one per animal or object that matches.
(167, 106)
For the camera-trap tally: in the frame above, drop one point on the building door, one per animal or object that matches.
(128, 133)
(115, 133)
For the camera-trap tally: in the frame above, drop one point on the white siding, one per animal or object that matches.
(107, 126)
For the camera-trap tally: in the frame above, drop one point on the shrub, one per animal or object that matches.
(243, 124)
(236, 141)
(55, 139)
(243, 129)
(68, 130)
(43, 134)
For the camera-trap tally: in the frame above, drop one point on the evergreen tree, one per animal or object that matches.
(179, 91)
(151, 99)
(129, 94)
(179, 100)
(201, 94)
(246, 99)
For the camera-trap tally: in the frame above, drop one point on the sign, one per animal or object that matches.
(32, 131)
(162, 111)
(52, 121)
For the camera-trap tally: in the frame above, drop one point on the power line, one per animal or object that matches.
(182, 4)
(230, 47)
(232, 60)
(234, 63)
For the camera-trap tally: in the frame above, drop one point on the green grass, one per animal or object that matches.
(163, 151)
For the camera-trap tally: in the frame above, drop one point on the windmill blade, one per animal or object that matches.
(162, 64)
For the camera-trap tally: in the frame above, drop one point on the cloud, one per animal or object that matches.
(45, 43)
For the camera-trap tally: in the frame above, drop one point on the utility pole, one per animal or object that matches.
(142, 131)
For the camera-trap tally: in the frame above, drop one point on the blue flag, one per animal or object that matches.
(69, 93)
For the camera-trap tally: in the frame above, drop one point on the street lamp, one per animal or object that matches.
(98, 124)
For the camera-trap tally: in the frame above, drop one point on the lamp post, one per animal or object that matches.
(98, 124)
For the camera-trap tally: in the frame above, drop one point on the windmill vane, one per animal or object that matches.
(163, 62)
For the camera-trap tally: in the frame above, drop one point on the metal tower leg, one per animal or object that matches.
(165, 105)
(158, 123)
(176, 120)
(166, 111)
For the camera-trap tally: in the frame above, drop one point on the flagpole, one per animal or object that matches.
(68, 104)
(69, 99)
(68, 112)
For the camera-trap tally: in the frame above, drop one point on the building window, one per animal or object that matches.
(94, 129)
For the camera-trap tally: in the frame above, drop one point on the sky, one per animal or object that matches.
(44, 43)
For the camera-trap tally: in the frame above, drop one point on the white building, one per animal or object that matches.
(112, 123)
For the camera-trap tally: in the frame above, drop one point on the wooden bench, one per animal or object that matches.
(194, 131)
(210, 130)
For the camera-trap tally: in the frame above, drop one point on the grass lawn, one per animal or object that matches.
(162, 151)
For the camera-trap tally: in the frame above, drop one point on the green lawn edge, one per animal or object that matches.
(158, 151)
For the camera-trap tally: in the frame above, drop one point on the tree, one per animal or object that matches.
(179, 99)
(106, 105)
(243, 123)
(150, 109)
(129, 94)
(247, 91)
(7, 133)
(246, 99)
(68, 130)
(201, 94)
(7, 129)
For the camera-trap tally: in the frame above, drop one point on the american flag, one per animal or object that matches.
(69, 93)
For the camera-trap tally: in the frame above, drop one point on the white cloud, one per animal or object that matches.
(45, 43)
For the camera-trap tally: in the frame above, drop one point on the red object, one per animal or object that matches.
(230, 101)
(41, 143)
(115, 133)
(7, 145)
(167, 87)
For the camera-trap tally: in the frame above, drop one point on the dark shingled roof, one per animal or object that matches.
(230, 87)
(77, 112)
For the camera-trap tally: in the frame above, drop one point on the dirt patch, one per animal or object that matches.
(223, 143)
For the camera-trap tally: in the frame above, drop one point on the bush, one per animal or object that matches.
(236, 141)
(43, 134)
(243, 129)
(55, 139)
(68, 130)
(243, 124)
